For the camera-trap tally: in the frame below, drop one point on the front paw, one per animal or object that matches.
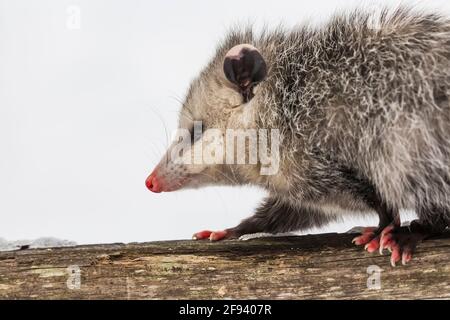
(214, 235)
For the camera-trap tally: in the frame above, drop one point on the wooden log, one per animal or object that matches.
(323, 266)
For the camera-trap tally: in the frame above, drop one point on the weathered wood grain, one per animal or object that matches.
(323, 266)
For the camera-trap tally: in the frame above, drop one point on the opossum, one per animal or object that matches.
(362, 107)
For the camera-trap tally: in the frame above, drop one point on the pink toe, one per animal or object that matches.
(205, 234)
(373, 245)
(395, 255)
(385, 240)
(388, 229)
(363, 239)
(406, 257)
(218, 235)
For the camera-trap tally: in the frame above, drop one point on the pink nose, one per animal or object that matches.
(153, 184)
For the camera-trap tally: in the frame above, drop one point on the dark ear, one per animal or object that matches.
(245, 67)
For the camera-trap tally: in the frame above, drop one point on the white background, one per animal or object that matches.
(83, 113)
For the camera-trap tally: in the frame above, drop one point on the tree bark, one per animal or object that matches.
(323, 266)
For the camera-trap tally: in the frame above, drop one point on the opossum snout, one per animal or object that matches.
(153, 183)
(166, 178)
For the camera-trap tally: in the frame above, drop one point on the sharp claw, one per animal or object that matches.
(404, 260)
(392, 262)
(381, 248)
(396, 255)
(384, 245)
(406, 257)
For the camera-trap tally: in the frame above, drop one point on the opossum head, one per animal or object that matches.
(220, 107)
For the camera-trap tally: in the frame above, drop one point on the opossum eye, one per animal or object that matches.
(245, 67)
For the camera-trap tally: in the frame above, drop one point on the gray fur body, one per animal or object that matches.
(363, 104)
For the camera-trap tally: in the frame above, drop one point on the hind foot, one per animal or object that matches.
(400, 241)
(214, 235)
(374, 238)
